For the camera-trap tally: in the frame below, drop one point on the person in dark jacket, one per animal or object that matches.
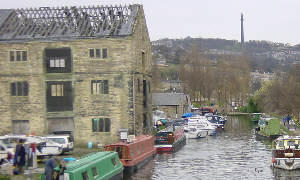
(19, 159)
(288, 119)
(49, 167)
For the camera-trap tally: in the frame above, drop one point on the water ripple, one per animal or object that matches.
(233, 154)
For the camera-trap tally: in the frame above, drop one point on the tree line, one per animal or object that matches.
(222, 81)
(282, 94)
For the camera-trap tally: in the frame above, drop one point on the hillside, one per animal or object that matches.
(265, 56)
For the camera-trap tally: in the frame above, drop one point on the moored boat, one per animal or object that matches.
(195, 132)
(134, 154)
(286, 153)
(268, 128)
(256, 117)
(170, 139)
(216, 120)
(97, 166)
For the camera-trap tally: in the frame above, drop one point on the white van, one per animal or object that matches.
(64, 140)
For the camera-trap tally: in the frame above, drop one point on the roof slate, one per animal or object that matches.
(67, 22)
(168, 99)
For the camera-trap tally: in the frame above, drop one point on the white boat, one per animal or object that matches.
(286, 154)
(202, 124)
(195, 132)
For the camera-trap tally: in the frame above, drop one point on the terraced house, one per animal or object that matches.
(81, 69)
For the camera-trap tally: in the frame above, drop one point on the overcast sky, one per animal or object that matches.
(273, 20)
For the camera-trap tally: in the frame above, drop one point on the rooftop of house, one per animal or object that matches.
(59, 23)
(169, 99)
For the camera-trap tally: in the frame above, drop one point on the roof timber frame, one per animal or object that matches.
(65, 22)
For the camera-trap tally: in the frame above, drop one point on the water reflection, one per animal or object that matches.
(234, 153)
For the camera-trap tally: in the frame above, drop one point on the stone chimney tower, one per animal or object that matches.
(242, 30)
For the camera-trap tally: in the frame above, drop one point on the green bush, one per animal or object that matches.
(250, 108)
(243, 109)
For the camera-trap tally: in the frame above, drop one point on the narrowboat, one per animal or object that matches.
(286, 152)
(170, 139)
(95, 166)
(134, 153)
(256, 117)
(268, 128)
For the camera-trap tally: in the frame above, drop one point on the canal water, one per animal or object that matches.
(234, 153)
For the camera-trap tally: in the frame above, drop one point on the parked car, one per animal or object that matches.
(6, 151)
(44, 147)
(47, 147)
(64, 140)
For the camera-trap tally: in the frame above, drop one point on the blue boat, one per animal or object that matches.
(217, 120)
(186, 115)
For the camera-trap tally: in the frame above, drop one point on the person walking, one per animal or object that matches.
(284, 120)
(288, 119)
(49, 167)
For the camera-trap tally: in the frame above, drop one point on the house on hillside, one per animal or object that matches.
(173, 104)
(85, 70)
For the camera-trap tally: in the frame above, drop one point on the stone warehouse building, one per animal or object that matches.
(81, 69)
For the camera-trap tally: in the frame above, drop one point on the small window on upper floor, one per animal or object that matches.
(98, 53)
(92, 54)
(18, 55)
(58, 60)
(99, 87)
(104, 53)
(19, 88)
(57, 63)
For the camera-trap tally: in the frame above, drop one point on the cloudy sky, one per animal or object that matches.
(272, 20)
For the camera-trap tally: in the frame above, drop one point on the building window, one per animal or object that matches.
(96, 53)
(57, 90)
(57, 63)
(104, 53)
(12, 55)
(99, 87)
(18, 55)
(92, 55)
(24, 55)
(19, 88)
(101, 125)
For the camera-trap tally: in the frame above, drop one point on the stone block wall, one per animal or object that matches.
(123, 104)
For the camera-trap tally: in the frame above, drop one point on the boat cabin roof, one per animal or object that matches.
(136, 140)
(87, 159)
(169, 129)
(288, 138)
